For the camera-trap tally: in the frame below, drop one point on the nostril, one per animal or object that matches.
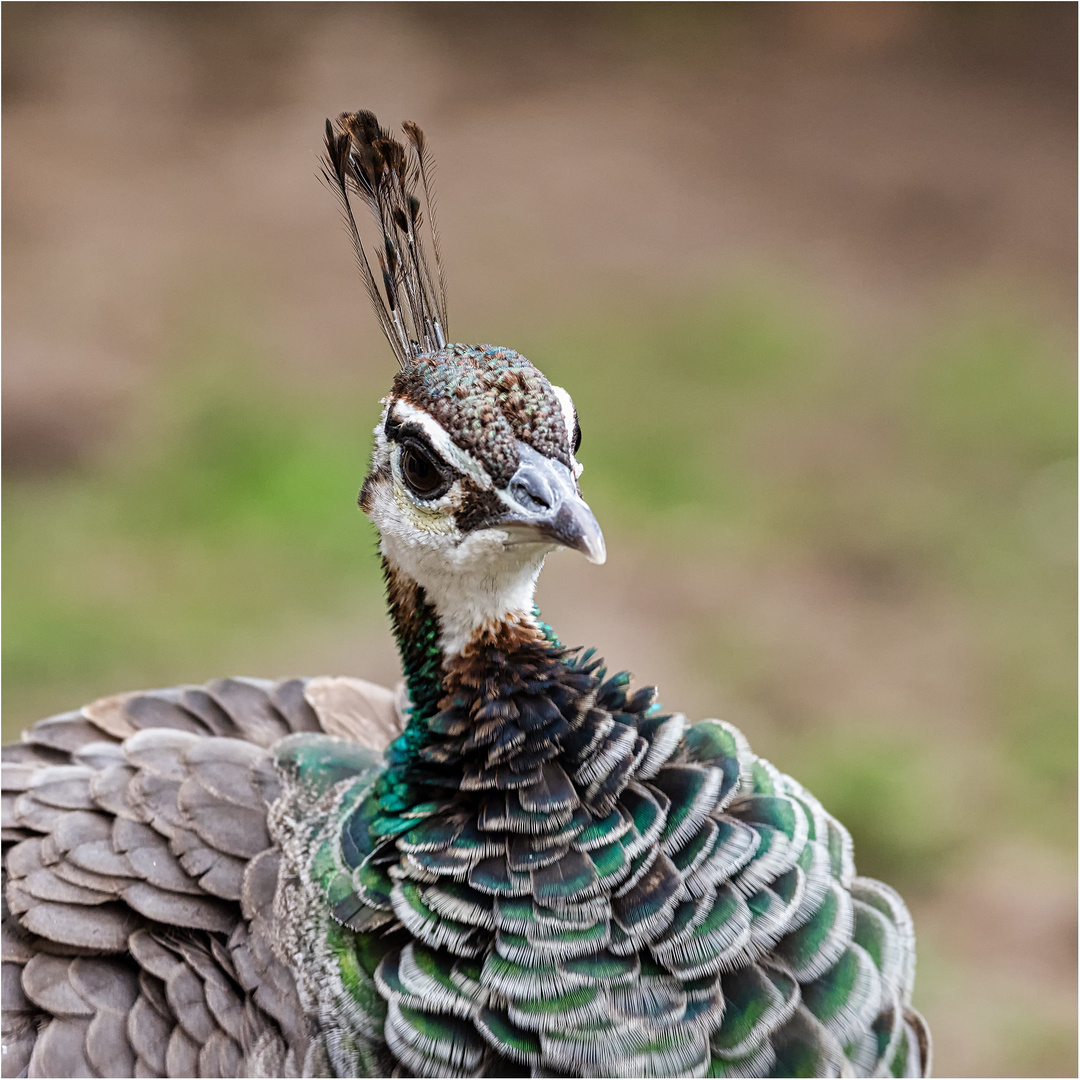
(532, 492)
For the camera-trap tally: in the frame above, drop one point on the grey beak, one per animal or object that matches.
(542, 498)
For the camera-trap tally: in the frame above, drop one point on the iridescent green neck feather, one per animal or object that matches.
(436, 684)
(416, 630)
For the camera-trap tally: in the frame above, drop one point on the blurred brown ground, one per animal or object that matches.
(161, 158)
(894, 152)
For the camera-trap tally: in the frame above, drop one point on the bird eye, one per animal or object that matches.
(421, 473)
(577, 437)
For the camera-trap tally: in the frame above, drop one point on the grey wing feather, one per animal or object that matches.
(109, 789)
(182, 1054)
(289, 698)
(107, 1045)
(179, 909)
(60, 1049)
(99, 755)
(150, 857)
(214, 718)
(224, 825)
(66, 732)
(140, 878)
(66, 787)
(162, 709)
(219, 874)
(356, 710)
(248, 703)
(219, 1056)
(45, 983)
(19, 1028)
(104, 928)
(105, 982)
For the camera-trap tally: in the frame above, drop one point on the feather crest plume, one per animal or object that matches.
(364, 161)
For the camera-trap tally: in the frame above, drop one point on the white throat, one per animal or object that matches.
(474, 585)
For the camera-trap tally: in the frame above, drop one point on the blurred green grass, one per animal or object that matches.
(737, 424)
(230, 509)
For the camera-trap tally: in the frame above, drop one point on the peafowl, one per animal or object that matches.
(515, 865)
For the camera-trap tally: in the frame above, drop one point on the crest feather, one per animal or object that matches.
(363, 160)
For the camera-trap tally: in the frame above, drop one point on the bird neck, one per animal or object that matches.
(470, 586)
(433, 633)
(439, 679)
(416, 631)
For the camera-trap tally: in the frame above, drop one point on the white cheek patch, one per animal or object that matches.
(453, 455)
(409, 531)
(567, 404)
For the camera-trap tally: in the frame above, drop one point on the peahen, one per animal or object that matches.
(515, 866)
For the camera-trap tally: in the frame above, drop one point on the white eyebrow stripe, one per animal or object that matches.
(452, 454)
(569, 419)
(567, 410)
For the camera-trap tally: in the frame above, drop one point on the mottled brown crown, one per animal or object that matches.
(487, 398)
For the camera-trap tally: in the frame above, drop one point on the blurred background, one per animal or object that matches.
(809, 271)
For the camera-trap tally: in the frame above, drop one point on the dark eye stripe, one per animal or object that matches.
(398, 431)
(414, 433)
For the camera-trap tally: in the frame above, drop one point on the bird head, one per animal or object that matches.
(474, 476)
